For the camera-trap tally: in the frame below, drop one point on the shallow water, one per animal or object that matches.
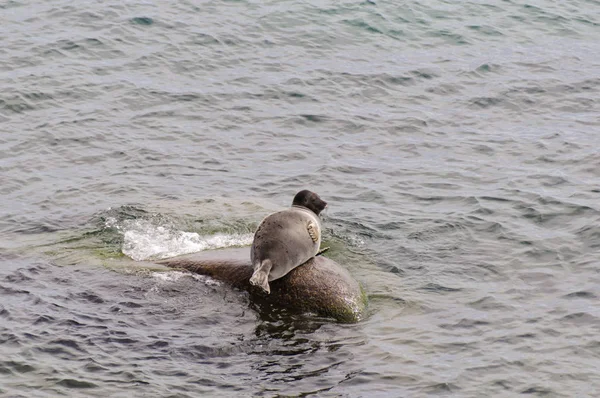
(456, 143)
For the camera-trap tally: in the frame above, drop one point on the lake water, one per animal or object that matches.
(456, 143)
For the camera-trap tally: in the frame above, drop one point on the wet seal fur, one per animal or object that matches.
(286, 239)
(320, 285)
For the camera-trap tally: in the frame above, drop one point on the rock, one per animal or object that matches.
(320, 285)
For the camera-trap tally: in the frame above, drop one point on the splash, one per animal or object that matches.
(174, 276)
(144, 240)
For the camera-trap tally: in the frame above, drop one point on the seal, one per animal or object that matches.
(286, 239)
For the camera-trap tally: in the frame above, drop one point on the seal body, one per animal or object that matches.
(286, 239)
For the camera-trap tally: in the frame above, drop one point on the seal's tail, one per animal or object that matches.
(260, 277)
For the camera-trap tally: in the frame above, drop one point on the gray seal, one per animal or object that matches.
(286, 239)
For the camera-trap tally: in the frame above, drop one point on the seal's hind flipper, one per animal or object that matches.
(260, 277)
(313, 231)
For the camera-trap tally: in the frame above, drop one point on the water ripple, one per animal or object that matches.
(455, 143)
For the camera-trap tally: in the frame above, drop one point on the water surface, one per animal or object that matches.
(456, 143)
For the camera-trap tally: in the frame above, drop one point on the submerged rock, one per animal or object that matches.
(320, 285)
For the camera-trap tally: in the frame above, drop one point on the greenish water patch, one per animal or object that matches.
(357, 23)
(485, 30)
(142, 21)
(451, 37)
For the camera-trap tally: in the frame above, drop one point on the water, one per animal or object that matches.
(456, 143)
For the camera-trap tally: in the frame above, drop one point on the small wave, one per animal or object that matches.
(144, 240)
(174, 276)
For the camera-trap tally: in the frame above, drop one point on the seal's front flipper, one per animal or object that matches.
(323, 250)
(313, 231)
(260, 277)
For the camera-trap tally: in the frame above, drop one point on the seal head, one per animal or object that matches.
(286, 239)
(309, 200)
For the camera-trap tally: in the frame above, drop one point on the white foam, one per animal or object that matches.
(174, 276)
(143, 240)
(170, 276)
